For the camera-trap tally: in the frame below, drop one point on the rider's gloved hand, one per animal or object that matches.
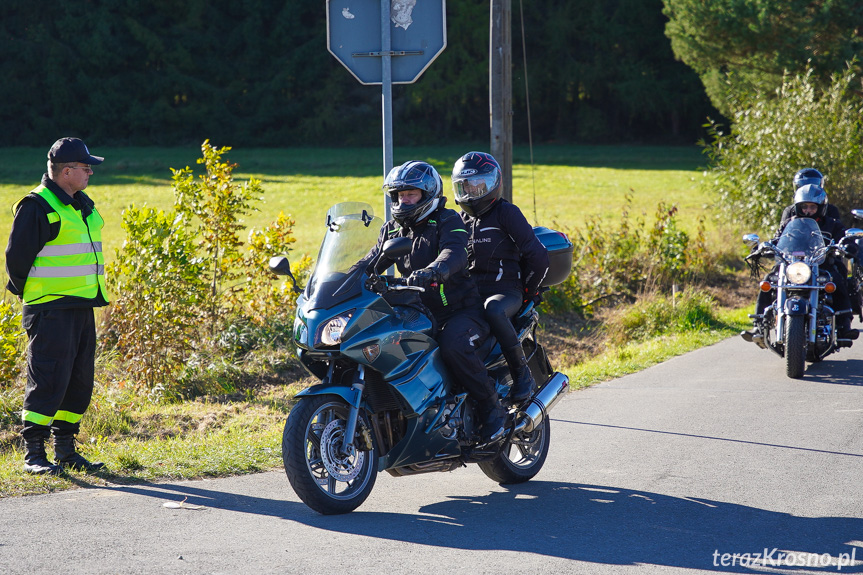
(424, 278)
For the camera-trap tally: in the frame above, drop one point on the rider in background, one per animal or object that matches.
(810, 201)
(507, 260)
(813, 176)
(438, 263)
(801, 178)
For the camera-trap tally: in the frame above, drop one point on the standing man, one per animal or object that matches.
(55, 267)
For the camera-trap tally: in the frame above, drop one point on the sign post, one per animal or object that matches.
(386, 42)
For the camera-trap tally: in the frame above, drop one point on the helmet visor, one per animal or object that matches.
(474, 187)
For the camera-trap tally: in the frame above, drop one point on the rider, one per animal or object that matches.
(813, 176)
(802, 178)
(506, 258)
(438, 262)
(810, 201)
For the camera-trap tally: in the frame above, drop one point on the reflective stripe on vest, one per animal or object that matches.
(71, 264)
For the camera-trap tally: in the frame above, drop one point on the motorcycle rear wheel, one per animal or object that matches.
(522, 458)
(795, 346)
(328, 481)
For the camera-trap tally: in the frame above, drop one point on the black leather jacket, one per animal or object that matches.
(504, 252)
(439, 242)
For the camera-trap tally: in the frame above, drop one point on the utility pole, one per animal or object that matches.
(500, 89)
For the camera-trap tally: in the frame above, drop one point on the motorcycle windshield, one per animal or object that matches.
(802, 238)
(352, 230)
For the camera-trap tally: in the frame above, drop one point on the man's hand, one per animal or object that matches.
(424, 278)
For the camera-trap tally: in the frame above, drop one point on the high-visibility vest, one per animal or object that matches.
(72, 263)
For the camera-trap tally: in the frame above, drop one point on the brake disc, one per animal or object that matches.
(340, 466)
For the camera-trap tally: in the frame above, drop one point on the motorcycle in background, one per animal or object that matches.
(855, 264)
(384, 400)
(800, 324)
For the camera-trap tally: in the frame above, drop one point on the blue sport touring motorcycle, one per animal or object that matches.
(384, 400)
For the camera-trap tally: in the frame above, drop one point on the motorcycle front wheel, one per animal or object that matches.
(522, 458)
(795, 346)
(326, 478)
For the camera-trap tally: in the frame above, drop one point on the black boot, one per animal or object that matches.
(35, 458)
(66, 456)
(523, 384)
(492, 418)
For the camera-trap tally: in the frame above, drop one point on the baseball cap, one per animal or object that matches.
(66, 150)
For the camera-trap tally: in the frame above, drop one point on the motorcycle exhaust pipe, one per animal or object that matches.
(541, 403)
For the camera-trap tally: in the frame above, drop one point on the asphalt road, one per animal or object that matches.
(671, 470)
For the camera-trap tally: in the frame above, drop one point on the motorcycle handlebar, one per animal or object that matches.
(382, 284)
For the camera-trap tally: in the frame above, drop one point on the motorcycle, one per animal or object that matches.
(855, 265)
(800, 324)
(384, 400)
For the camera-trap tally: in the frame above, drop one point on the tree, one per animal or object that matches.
(740, 48)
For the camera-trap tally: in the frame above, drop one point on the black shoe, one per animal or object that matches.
(747, 335)
(492, 423)
(523, 384)
(523, 387)
(36, 461)
(65, 455)
(848, 333)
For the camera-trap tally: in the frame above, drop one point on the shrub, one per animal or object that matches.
(771, 138)
(657, 314)
(11, 344)
(613, 266)
(189, 294)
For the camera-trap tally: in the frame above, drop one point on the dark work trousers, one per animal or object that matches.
(459, 339)
(60, 369)
(499, 308)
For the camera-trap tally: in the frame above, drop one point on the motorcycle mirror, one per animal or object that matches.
(751, 240)
(857, 214)
(280, 266)
(854, 232)
(397, 247)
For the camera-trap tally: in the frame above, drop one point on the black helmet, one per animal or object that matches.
(808, 176)
(476, 181)
(409, 176)
(810, 194)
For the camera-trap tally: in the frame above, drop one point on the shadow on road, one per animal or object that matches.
(679, 434)
(836, 371)
(592, 523)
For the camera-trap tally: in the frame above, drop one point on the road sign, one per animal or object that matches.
(417, 37)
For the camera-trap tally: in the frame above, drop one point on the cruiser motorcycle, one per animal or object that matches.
(384, 400)
(800, 324)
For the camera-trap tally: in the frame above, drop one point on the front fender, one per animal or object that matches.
(796, 306)
(346, 393)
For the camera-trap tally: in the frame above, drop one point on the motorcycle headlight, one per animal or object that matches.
(798, 273)
(301, 332)
(330, 333)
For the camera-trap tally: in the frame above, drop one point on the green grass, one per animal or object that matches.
(166, 442)
(635, 356)
(566, 186)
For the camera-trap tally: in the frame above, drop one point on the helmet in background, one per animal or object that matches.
(413, 175)
(476, 182)
(808, 176)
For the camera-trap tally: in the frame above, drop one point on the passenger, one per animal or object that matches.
(507, 260)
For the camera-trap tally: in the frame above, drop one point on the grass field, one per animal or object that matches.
(566, 186)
